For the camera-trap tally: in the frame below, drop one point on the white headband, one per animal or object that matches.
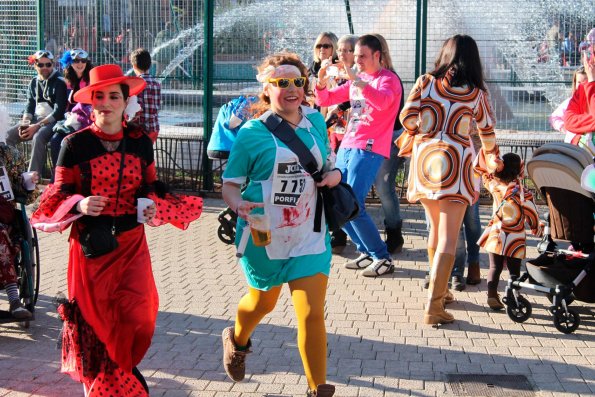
(268, 72)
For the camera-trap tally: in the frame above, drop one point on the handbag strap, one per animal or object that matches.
(283, 131)
(121, 173)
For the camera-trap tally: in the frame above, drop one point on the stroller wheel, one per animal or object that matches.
(225, 235)
(569, 300)
(519, 313)
(566, 322)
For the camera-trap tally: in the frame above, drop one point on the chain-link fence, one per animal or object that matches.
(529, 48)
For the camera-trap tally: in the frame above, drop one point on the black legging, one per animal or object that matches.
(496, 266)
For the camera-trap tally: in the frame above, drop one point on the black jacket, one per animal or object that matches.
(53, 90)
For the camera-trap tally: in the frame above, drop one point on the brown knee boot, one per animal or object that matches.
(439, 276)
(449, 297)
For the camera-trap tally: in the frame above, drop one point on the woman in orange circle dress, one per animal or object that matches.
(437, 118)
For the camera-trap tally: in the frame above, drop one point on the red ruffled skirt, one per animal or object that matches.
(111, 317)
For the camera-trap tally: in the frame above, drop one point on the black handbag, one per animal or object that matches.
(98, 238)
(339, 202)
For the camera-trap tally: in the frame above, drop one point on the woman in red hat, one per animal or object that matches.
(103, 171)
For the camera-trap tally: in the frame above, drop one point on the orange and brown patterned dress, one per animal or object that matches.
(438, 118)
(513, 207)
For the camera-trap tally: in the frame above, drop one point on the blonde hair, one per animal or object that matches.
(329, 35)
(579, 70)
(385, 59)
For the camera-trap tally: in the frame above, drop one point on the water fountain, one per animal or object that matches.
(506, 37)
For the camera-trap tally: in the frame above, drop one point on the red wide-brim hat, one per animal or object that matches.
(105, 75)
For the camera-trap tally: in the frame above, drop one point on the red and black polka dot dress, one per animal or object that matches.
(115, 294)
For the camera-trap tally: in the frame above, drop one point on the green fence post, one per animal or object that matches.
(40, 27)
(207, 101)
(349, 21)
(424, 37)
(99, 33)
(421, 37)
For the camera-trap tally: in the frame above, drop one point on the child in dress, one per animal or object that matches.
(504, 237)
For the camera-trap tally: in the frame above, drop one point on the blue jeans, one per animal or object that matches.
(385, 185)
(472, 233)
(359, 168)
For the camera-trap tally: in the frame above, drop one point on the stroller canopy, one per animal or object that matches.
(559, 165)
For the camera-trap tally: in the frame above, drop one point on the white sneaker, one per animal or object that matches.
(358, 263)
(379, 267)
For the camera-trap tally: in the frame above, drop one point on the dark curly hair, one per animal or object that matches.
(71, 77)
(512, 168)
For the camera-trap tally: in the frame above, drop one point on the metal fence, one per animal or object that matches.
(529, 50)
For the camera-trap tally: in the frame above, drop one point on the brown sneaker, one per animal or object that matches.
(323, 390)
(19, 311)
(234, 361)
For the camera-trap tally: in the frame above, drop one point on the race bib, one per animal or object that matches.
(289, 182)
(5, 188)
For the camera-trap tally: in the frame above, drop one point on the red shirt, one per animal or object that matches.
(580, 114)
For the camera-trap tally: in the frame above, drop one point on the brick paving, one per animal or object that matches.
(377, 345)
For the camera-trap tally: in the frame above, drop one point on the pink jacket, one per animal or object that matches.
(377, 115)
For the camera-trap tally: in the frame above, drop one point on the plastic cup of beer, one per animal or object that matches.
(142, 204)
(24, 124)
(260, 228)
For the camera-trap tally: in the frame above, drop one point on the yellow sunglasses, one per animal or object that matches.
(283, 82)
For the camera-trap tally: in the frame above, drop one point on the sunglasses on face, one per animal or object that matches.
(298, 82)
(79, 61)
(78, 53)
(44, 65)
(325, 46)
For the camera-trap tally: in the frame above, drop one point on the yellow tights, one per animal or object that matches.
(308, 296)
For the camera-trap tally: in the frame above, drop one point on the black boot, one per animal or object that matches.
(394, 239)
(338, 241)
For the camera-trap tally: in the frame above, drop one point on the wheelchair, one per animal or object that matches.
(26, 265)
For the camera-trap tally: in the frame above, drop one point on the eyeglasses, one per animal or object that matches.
(344, 51)
(298, 82)
(79, 61)
(44, 65)
(325, 46)
(43, 54)
(78, 53)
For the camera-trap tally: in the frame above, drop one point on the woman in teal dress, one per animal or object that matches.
(278, 187)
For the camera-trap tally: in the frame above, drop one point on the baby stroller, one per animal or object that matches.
(232, 116)
(563, 275)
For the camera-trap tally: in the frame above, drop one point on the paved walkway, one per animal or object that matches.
(377, 346)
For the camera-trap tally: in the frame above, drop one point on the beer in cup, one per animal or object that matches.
(23, 125)
(260, 228)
